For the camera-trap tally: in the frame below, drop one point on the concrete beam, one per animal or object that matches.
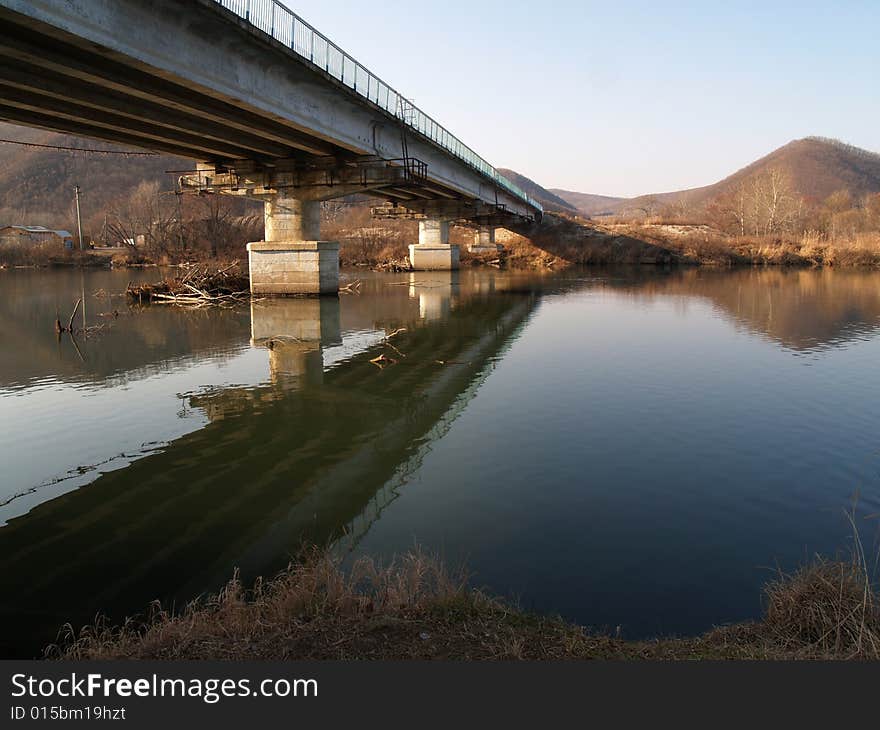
(33, 101)
(97, 99)
(56, 124)
(63, 58)
(343, 178)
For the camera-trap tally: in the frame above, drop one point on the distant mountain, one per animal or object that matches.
(816, 167)
(588, 203)
(541, 194)
(36, 184)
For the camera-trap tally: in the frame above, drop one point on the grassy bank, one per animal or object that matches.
(707, 245)
(562, 240)
(557, 242)
(416, 609)
(33, 256)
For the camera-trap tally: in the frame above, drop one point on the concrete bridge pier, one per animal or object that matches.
(484, 241)
(292, 260)
(433, 252)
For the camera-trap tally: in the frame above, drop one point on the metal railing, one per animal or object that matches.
(288, 28)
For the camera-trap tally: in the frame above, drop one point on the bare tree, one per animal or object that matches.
(144, 213)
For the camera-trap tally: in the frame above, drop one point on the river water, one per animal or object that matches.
(634, 449)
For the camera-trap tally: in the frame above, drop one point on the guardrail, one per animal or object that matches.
(288, 28)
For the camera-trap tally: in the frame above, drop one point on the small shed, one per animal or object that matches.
(35, 235)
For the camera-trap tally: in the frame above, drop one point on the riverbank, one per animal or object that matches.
(415, 608)
(563, 241)
(558, 242)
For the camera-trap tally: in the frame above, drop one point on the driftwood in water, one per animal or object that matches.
(198, 287)
(352, 288)
(394, 265)
(59, 328)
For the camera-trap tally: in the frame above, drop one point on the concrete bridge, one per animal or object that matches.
(268, 108)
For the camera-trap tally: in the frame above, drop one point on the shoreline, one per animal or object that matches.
(516, 265)
(558, 242)
(414, 608)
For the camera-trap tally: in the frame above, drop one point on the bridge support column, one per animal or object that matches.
(433, 252)
(293, 260)
(484, 241)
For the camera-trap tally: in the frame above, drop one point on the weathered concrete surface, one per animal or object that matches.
(434, 257)
(433, 232)
(290, 219)
(484, 241)
(433, 251)
(294, 267)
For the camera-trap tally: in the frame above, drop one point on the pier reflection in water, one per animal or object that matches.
(296, 331)
(300, 457)
(624, 447)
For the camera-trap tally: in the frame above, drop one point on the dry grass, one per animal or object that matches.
(414, 608)
(46, 254)
(828, 608)
(705, 245)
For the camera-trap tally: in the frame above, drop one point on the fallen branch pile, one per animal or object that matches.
(395, 266)
(198, 287)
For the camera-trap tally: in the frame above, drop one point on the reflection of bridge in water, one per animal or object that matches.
(297, 459)
(319, 447)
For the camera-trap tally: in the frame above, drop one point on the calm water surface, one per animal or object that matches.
(630, 448)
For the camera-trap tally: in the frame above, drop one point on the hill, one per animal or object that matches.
(589, 203)
(541, 194)
(36, 187)
(815, 166)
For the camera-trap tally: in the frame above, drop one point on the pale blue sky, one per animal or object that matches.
(618, 97)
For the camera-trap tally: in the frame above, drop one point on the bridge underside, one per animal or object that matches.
(196, 81)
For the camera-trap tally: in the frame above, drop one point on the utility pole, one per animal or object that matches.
(179, 195)
(79, 225)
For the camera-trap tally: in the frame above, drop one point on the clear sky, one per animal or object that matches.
(618, 97)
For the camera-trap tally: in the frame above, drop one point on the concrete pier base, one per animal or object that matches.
(483, 248)
(285, 268)
(484, 241)
(433, 252)
(434, 257)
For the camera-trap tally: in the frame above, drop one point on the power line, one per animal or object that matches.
(124, 153)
